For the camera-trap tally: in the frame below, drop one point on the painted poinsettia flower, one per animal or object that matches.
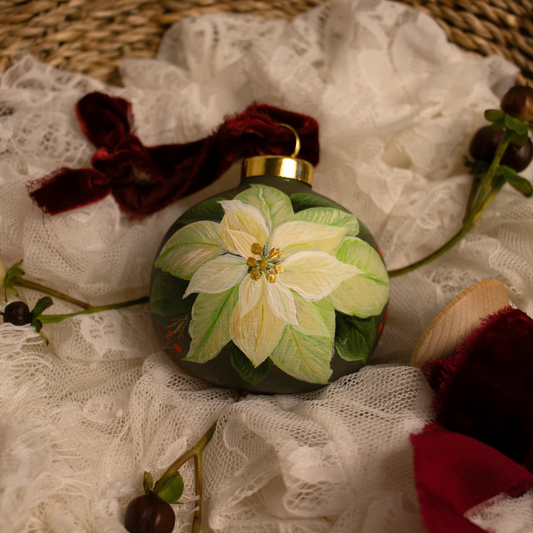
(266, 279)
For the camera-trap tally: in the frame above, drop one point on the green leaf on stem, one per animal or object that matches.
(148, 483)
(520, 184)
(245, 368)
(169, 488)
(519, 140)
(516, 125)
(497, 117)
(9, 280)
(43, 304)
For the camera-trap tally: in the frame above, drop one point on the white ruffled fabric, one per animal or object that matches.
(84, 417)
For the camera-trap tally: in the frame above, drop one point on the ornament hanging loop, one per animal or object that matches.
(297, 144)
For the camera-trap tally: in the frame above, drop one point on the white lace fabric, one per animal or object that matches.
(83, 417)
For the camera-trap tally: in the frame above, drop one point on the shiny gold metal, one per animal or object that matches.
(297, 145)
(279, 165)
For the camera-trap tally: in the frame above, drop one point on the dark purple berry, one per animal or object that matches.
(518, 102)
(149, 514)
(17, 313)
(485, 141)
(518, 157)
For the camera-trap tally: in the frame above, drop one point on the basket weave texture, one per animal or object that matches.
(93, 36)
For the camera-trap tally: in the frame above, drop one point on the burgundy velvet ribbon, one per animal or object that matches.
(454, 473)
(145, 179)
(481, 445)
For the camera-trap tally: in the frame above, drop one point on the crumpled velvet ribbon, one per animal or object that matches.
(481, 444)
(145, 179)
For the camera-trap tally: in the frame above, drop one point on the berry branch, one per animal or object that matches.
(499, 152)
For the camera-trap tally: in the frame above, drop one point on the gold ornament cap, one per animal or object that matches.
(279, 165)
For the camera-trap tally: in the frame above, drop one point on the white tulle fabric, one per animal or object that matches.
(84, 417)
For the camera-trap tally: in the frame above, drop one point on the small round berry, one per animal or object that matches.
(518, 102)
(149, 514)
(17, 313)
(518, 157)
(485, 141)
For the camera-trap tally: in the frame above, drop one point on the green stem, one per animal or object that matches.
(51, 319)
(21, 282)
(197, 516)
(478, 201)
(444, 248)
(190, 453)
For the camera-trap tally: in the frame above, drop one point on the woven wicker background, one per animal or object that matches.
(93, 36)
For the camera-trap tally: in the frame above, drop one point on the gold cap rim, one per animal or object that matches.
(278, 166)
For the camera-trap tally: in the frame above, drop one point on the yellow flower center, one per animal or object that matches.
(268, 265)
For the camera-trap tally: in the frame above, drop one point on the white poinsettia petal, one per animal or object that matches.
(249, 293)
(315, 318)
(242, 226)
(281, 302)
(366, 293)
(274, 205)
(330, 216)
(304, 357)
(218, 275)
(314, 275)
(259, 331)
(209, 327)
(189, 248)
(300, 236)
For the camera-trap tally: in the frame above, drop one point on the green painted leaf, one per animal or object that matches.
(166, 297)
(331, 217)
(304, 200)
(354, 337)
(43, 304)
(304, 357)
(209, 209)
(364, 294)
(520, 184)
(169, 488)
(189, 248)
(245, 367)
(210, 324)
(516, 125)
(274, 205)
(315, 318)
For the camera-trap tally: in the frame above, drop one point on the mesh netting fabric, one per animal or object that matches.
(84, 416)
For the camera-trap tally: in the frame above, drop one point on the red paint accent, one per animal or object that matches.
(170, 334)
(380, 327)
(182, 335)
(177, 347)
(386, 313)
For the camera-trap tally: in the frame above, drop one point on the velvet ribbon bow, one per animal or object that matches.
(481, 444)
(145, 179)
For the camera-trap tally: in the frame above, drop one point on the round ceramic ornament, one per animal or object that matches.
(269, 287)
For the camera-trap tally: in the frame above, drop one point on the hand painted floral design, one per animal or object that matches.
(270, 280)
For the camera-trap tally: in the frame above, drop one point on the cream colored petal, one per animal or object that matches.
(259, 331)
(301, 236)
(315, 318)
(218, 275)
(249, 293)
(241, 227)
(281, 302)
(314, 275)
